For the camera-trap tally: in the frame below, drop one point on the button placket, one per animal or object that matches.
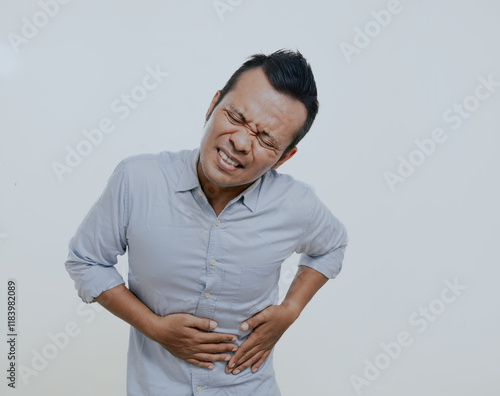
(202, 201)
(200, 379)
(207, 300)
(214, 273)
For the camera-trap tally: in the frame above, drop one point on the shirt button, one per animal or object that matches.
(207, 295)
(198, 388)
(212, 262)
(217, 223)
(200, 194)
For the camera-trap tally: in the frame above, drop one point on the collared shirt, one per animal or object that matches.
(184, 258)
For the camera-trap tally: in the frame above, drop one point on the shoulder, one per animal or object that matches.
(284, 191)
(275, 183)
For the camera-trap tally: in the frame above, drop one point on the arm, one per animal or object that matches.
(183, 335)
(121, 302)
(322, 245)
(304, 286)
(270, 324)
(91, 263)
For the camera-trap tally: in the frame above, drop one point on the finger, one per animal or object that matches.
(209, 357)
(217, 348)
(235, 358)
(244, 352)
(207, 325)
(254, 321)
(254, 359)
(259, 362)
(248, 348)
(199, 363)
(214, 338)
(201, 323)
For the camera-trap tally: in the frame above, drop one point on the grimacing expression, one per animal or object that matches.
(248, 131)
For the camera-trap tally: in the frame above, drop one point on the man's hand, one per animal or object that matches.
(189, 338)
(268, 326)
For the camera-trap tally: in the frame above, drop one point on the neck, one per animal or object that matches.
(218, 196)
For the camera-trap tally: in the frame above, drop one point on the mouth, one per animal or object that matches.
(228, 162)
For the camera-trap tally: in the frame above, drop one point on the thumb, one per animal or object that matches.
(253, 322)
(204, 324)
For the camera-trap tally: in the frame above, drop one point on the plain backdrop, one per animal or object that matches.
(438, 224)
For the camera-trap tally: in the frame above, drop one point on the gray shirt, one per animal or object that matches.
(184, 258)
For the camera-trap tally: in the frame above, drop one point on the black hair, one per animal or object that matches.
(289, 73)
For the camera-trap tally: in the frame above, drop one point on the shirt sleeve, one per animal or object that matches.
(99, 239)
(323, 241)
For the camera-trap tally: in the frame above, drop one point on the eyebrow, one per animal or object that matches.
(240, 114)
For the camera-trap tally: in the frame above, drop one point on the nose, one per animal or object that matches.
(241, 140)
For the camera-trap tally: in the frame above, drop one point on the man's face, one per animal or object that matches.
(248, 131)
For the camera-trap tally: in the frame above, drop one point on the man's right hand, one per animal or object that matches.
(190, 338)
(185, 336)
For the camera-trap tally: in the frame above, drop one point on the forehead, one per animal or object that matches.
(262, 105)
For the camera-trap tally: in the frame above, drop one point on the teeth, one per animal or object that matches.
(227, 159)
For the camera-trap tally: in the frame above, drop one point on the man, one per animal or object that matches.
(207, 231)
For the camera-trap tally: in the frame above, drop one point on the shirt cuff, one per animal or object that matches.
(96, 280)
(328, 264)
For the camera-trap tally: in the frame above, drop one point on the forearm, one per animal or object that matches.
(306, 283)
(121, 302)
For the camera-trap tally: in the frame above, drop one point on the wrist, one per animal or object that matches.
(153, 327)
(292, 309)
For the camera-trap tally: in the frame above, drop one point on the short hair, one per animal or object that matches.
(289, 73)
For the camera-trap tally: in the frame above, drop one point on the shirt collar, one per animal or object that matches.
(189, 176)
(188, 180)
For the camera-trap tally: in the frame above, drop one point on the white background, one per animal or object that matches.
(441, 223)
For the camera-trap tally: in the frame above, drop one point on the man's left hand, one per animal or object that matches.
(268, 326)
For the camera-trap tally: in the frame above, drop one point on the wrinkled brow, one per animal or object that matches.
(245, 122)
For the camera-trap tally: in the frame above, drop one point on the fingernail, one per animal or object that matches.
(211, 366)
(231, 365)
(255, 369)
(236, 371)
(234, 339)
(227, 358)
(244, 326)
(235, 349)
(213, 324)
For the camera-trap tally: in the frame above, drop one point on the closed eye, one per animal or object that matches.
(233, 118)
(266, 141)
(264, 138)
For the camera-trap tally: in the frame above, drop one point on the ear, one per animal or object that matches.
(287, 156)
(212, 104)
